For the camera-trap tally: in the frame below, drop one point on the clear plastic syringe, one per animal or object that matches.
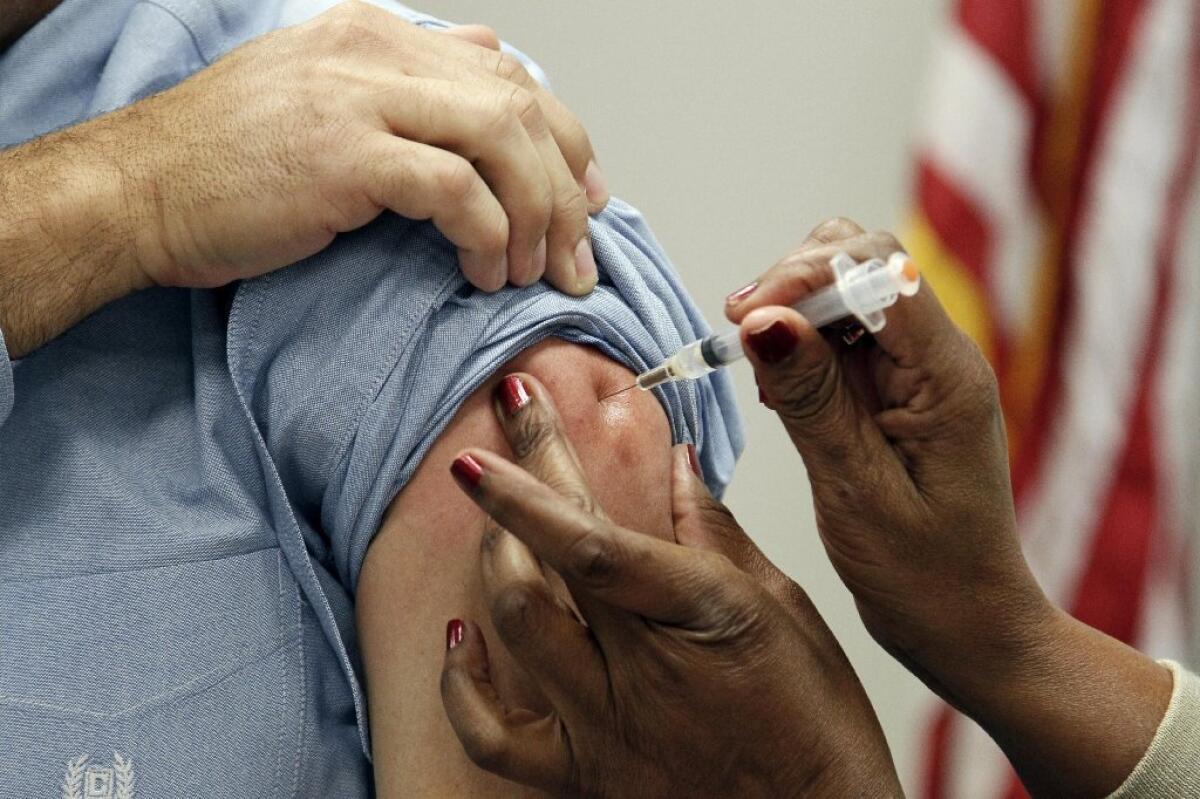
(861, 290)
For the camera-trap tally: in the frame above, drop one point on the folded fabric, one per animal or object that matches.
(353, 362)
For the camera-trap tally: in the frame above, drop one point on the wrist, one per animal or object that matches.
(65, 247)
(967, 639)
(1072, 708)
(854, 773)
(848, 758)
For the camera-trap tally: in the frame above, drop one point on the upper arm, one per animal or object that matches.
(422, 568)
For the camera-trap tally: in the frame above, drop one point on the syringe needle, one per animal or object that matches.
(612, 394)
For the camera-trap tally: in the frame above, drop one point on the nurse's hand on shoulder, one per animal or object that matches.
(697, 668)
(903, 440)
(262, 158)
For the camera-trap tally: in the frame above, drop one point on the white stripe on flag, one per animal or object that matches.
(979, 768)
(1177, 408)
(977, 132)
(1114, 270)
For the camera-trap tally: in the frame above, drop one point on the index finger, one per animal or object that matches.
(599, 560)
(535, 434)
(568, 132)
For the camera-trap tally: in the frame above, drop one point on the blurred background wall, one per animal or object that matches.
(736, 128)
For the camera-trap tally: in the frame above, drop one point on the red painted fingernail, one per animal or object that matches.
(762, 396)
(454, 633)
(513, 394)
(466, 471)
(740, 294)
(694, 460)
(774, 343)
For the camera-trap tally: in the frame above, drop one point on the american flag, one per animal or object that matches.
(1057, 214)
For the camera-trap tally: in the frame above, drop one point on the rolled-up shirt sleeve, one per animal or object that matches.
(6, 382)
(1170, 769)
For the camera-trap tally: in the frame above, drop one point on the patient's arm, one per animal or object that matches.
(421, 569)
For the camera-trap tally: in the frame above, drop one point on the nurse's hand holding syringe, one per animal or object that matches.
(861, 290)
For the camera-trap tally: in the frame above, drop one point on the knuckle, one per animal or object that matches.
(514, 608)
(572, 206)
(486, 746)
(488, 34)
(835, 229)
(509, 67)
(493, 240)
(979, 386)
(540, 208)
(886, 242)
(348, 26)
(534, 435)
(809, 397)
(525, 106)
(575, 493)
(593, 558)
(456, 179)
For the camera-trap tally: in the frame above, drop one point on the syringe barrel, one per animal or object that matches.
(721, 349)
(862, 291)
(823, 306)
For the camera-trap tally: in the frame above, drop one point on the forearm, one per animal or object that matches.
(67, 233)
(1072, 708)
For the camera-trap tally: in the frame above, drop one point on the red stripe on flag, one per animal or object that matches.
(1005, 32)
(938, 755)
(1118, 24)
(1110, 593)
(961, 227)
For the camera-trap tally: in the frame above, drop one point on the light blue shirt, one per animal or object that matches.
(189, 479)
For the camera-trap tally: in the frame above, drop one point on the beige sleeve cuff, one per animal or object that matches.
(1170, 769)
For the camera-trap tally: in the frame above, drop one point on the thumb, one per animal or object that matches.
(803, 381)
(702, 522)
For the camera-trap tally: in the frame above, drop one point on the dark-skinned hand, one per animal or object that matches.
(692, 669)
(903, 441)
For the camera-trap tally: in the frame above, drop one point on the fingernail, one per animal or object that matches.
(694, 460)
(594, 184)
(454, 633)
(539, 256)
(762, 396)
(466, 471)
(513, 394)
(585, 265)
(740, 294)
(774, 343)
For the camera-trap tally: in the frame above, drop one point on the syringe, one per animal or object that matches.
(861, 290)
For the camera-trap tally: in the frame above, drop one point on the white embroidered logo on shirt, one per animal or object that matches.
(85, 780)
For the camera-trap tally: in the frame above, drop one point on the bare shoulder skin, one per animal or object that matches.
(422, 568)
